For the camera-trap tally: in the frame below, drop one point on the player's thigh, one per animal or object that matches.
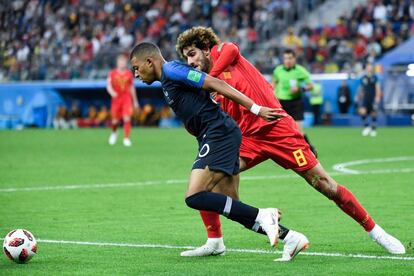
(287, 147)
(126, 110)
(116, 110)
(228, 185)
(251, 153)
(202, 180)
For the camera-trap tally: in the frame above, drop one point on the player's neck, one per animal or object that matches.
(158, 68)
(121, 70)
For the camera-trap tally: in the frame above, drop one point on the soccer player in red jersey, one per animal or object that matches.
(120, 85)
(280, 141)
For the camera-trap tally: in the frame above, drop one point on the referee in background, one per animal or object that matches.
(290, 81)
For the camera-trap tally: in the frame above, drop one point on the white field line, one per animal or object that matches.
(181, 181)
(238, 250)
(342, 167)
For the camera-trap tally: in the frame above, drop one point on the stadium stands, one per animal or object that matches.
(78, 39)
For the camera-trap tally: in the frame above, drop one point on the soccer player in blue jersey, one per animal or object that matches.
(216, 167)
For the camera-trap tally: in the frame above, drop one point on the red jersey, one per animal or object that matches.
(121, 82)
(230, 66)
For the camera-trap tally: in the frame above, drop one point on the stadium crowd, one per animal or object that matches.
(72, 39)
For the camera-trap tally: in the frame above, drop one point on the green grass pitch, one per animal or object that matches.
(83, 190)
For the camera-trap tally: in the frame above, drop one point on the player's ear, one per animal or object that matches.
(149, 62)
(206, 52)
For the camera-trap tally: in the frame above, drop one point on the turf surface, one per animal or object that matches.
(140, 206)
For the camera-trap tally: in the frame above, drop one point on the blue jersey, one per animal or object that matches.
(368, 83)
(182, 88)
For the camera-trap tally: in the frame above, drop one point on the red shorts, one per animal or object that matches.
(121, 108)
(283, 143)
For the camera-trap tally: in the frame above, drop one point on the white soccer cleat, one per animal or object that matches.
(366, 131)
(295, 242)
(112, 138)
(373, 133)
(391, 244)
(127, 142)
(268, 220)
(213, 247)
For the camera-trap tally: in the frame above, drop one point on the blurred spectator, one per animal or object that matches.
(103, 117)
(365, 28)
(74, 115)
(90, 119)
(344, 97)
(380, 12)
(81, 39)
(291, 41)
(61, 119)
(148, 116)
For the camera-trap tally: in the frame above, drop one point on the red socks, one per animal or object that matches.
(350, 205)
(114, 127)
(127, 129)
(212, 223)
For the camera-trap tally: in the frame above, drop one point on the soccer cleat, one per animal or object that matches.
(295, 242)
(268, 220)
(112, 138)
(366, 131)
(373, 133)
(391, 244)
(213, 247)
(127, 142)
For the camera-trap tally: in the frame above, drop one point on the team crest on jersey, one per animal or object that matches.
(227, 75)
(194, 76)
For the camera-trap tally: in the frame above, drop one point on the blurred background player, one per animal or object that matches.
(368, 99)
(280, 141)
(290, 81)
(120, 85)
(344, 97)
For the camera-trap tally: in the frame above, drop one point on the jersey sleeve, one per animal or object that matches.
(227, 54)
(306, 76)
(275, 74)
(184, 74)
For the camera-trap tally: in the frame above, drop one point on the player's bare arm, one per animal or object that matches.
(134, 96)
(221, 87)
(110, 89)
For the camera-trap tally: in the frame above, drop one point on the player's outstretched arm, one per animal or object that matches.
(228, 53)
(221, 87)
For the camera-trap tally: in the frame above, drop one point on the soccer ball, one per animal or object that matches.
(19, 245)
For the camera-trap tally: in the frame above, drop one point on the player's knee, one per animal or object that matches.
(195, 201)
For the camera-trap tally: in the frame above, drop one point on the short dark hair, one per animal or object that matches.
(289, 52)
(145, 49)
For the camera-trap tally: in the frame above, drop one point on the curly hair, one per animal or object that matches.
(200, 37)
